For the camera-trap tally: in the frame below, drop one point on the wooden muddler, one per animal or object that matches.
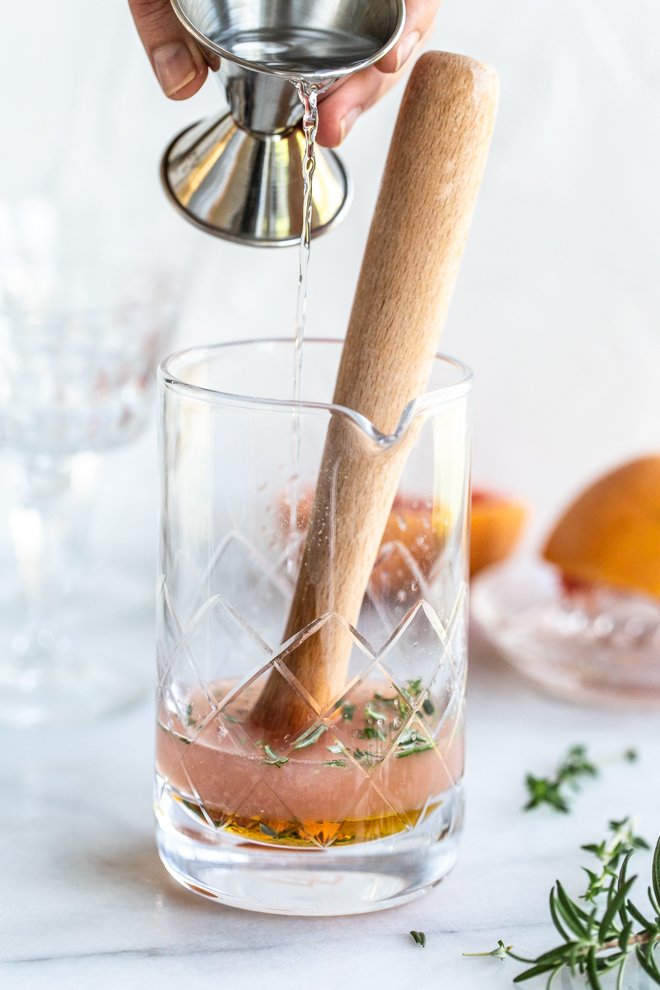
(420, 227)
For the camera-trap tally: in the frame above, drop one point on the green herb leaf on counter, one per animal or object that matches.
(555, 791)
(419, 938)
(603, 939)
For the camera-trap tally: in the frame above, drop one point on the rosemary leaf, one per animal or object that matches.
(655, 873)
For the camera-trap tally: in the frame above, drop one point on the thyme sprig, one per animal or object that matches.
(501, 951)
(604, 938)
(555, 791)
(610, 852)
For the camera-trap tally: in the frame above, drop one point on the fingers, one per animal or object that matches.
(175, 57)
(420, 15)
(342, 107)
(345, 103)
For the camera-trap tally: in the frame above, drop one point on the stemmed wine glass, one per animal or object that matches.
(79, 342)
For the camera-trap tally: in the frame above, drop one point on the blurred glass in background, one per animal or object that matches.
(93, 265)
(80, 338)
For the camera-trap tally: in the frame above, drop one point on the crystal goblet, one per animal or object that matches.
(78, 347)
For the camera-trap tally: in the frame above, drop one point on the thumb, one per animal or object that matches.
(175, 57)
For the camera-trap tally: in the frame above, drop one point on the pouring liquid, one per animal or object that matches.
(308, 93)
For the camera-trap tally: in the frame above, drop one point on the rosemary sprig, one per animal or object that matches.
(605, 938)
(571, 771)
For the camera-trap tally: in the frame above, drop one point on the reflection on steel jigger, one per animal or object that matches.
(239, 175)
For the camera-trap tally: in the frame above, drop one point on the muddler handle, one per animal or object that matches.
(420, 227)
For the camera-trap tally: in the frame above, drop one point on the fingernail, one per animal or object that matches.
(174, 67)
(348, 120)
(406, 47)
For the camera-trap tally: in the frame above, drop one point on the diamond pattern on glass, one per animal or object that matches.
(251, 584)
(397, 583)
(372, 762)
(332, 632)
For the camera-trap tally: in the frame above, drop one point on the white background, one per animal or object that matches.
(558, 300)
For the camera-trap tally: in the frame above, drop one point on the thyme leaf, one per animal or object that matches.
(555, 791)
(271, 759)
(310, 737)
(371, 732)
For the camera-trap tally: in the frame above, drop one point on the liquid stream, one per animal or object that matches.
(379, 765)
(308, 94)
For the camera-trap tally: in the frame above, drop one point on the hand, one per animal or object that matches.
(181, 68)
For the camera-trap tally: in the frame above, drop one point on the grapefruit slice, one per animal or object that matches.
(611, 534)
(496, 526)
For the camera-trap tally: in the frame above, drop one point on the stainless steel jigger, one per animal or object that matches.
(239, 175)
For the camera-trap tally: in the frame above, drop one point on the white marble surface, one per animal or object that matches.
(85, 901)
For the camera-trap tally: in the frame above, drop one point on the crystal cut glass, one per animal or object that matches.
(359, 806)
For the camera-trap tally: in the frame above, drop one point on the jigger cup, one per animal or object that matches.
(239, 175)
(362, 807)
